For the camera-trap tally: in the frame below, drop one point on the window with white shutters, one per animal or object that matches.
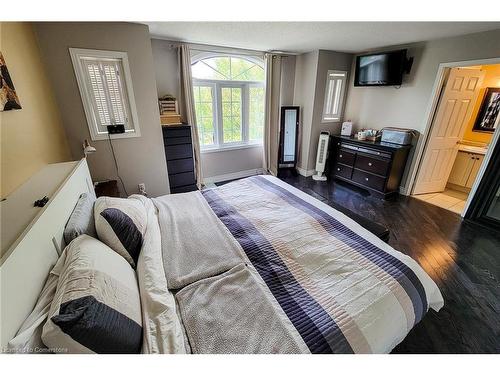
(106, 90)
(336, 82)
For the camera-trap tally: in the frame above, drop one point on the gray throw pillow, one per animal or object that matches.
(81, 220)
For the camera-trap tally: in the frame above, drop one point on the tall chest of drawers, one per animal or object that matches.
(375, 166)
(179, 155)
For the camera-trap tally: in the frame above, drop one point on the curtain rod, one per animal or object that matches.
(215, 48)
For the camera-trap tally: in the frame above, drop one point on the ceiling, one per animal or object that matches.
(299, 37)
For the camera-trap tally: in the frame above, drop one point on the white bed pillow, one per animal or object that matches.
(29, 336)
(81, 220)
(120, 224)
(96, 308)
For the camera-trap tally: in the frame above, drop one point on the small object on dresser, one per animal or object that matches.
(372, 135)
(398, 136)
(346, 128)
(169, 110)
(168, 105)
(107, 188)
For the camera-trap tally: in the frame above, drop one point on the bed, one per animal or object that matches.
(323, 283)
(257, 266)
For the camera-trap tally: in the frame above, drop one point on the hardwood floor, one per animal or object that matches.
(461, 257)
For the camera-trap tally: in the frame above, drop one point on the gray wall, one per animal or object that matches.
(287, 80)
(141, 159)
(328, 60)
(166, 65)
(310, 83)
(377, 107)
(231, 161)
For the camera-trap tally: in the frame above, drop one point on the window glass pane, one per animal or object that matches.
(204, 108)
(228, 68)
(231, 114)
(256, 113)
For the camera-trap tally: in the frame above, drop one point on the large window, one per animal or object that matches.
(229, 101)
(106, 89)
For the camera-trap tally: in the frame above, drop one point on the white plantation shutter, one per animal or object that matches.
(103, 83)
(107, 92)
(334, 95)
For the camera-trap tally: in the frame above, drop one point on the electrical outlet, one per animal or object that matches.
(142, 188)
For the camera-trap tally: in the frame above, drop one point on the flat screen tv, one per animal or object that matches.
(380, 69)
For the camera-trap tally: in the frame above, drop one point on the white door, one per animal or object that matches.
(452, 115)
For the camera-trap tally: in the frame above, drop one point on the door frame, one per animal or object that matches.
(421, 147)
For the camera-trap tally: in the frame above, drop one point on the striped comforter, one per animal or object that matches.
(333, 285)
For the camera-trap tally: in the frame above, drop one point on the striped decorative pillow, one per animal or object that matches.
(96, 307)
(120, 224)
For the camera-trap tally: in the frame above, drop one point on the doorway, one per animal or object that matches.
(461, 133)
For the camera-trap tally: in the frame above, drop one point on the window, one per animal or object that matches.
(229, 101)
(334, 96)
(106, 89)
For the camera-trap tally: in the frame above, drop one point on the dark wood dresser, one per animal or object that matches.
(179, 155)
(375, 166)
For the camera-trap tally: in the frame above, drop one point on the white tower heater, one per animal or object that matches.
(324, 137)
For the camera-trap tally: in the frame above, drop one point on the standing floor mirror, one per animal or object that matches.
(289, 132)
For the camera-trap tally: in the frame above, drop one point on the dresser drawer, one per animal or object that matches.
(183, 189)
(181, 179)
(180, 166)
(372, 165)
(176, 132)
(342, 171)
(178, 151)
(368, 180)
(176, 141)
(346, 157)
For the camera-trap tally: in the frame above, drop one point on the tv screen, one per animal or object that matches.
(381, 69)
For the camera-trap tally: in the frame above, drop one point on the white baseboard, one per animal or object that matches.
(233, 176)
(305, 172)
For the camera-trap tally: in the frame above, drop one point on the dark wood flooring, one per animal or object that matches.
(461, 257)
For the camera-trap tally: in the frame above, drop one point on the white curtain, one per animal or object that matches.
(187, 104)
(272, 113)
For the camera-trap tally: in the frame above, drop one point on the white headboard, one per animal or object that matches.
(25, 265)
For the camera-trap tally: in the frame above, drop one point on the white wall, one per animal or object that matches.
(377, 107)
(141, 159)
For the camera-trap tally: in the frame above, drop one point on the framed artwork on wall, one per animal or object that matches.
(8, 96)
(488, 112)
